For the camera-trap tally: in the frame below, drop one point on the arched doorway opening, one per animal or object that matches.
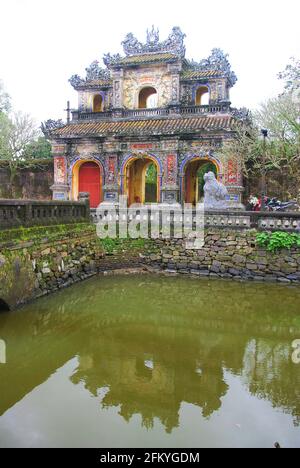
(141, 183)
(4, 307)
(202, 96)
(194, 179)
(151, 183)
(148, 98)
(98, 103)
(87, 177)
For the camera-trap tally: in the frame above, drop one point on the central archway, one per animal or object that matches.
(141, 180)
(148, 98)
(194, 178)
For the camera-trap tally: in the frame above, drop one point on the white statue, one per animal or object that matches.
(215, 193)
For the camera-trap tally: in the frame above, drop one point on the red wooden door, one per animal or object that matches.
(90, 181)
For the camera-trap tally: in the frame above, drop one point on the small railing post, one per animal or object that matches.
(85, 197)
(27, 214)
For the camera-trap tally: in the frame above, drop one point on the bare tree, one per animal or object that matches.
(23, 131)
(16, 133)
(5, 104)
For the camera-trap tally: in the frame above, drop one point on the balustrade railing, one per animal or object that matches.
(77, 115)
(186, 110)
(156, 112)
(26, 213)
(145, 113)
(289, 222)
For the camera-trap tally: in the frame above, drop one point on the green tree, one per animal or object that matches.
(151, 174)
(39, 149)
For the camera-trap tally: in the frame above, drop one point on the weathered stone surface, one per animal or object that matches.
(49, 265)
(234, 271)
(235, 254)
(239, 259)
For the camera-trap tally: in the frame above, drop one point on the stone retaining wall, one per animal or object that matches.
(31, 269)
(56, 257)
(228, 254)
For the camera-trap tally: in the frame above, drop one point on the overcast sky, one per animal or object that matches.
(42, 43)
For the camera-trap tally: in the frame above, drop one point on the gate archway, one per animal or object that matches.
(193, 173)
(141, 180)
(87, 177)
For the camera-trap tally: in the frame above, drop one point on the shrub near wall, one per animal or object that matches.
(229, 254)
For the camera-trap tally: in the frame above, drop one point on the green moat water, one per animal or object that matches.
(153, 362)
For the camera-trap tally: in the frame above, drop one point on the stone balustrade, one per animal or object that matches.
(263, 221)
(148, 113)
(26, 213)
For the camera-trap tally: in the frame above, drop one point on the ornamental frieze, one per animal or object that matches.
(85, 150)
(59, 150)
(205, 145)
(111, 146)
(196, 154)
(170, 145)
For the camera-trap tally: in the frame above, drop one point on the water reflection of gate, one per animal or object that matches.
(188, 352)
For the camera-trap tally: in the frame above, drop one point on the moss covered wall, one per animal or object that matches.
(37, 261)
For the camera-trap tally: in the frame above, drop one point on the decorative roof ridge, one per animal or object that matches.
(50, 126)
(173, 44)
(242, 114)
(94, 84)
(217, 61)
(93, 72)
